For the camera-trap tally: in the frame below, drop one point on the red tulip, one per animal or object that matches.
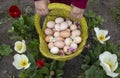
(40, 63)
(14, 11)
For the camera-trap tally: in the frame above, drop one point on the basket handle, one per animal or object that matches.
(50, 7)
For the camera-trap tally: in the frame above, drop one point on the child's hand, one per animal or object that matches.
(77, 12)
(41, 7)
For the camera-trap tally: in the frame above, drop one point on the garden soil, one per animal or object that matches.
(72, 67)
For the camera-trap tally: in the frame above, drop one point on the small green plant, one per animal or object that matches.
(5, 50)
(117, 13)
(93, 20)
(50, 70)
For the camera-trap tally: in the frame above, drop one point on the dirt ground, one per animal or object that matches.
(72, 67)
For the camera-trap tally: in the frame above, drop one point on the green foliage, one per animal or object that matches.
(93, 20)
(5, 50)
(24, 27)
(116, 13)
(50, 70)
(92, 66)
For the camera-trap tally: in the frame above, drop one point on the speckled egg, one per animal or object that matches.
(65, 49)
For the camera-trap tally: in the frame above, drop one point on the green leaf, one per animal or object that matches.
(44, 70)
(85, 67)
(61, 65)
(5, 50)
(59, 72)
(95, 72)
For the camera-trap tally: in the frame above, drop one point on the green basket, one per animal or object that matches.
(59, 10)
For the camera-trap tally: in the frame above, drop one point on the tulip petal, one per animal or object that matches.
(106, 67)
(27, 66)
(107, 38)
(111, 74)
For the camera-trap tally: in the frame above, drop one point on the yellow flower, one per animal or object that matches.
(101, 35)
(109, 63)
(20, 46)
(21, 61)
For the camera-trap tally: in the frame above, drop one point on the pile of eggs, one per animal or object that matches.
(62, 36)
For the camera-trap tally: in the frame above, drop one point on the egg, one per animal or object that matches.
(73, 27)
(74, 45)
(50, 45)
(69, 22)
(68, 41)
(63, 26)
(48, 38)
(54, 50)
(65, 49)
(50, 24)
(48, 31)
(57, 27)
(65, 34)
(77, 39)
(59, 38)
(59, 44)
(61, 52)
(76, 32)
(56, 34)
(59, 20)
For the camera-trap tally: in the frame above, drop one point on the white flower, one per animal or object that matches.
(20, 46)
(101, 35)
(21, 61)
(109, 63)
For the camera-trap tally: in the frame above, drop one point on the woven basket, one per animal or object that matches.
(62, 10)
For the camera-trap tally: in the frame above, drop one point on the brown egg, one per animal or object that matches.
(76, 32)
(65, 34)
(50, 45)
(59, 38)
(73, 27)
(48, 38)
(59, 44)
(65, 49)
(48, 31)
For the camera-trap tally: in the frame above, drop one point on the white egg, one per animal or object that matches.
(59, 20)
(50, 24)
(77, 39)
(54, 50)
(69, 22)
(68, 41)
(57, 27)
(74, 45)
(63, 26)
